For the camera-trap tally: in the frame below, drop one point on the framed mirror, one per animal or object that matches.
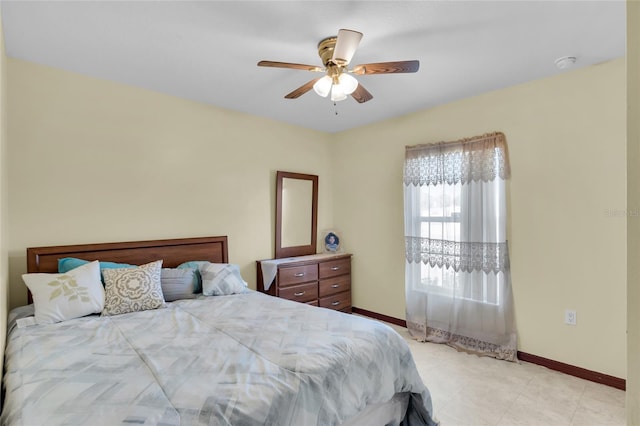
(296, 214)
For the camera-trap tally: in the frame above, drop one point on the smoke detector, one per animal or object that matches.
(565, 62)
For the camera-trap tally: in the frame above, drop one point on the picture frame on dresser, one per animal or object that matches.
(322, 280)
(331, 241)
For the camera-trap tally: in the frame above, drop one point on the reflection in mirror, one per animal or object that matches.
(297, 196)
(296, 214)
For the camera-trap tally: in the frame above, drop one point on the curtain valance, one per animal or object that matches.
(458, 255)
(472, 159)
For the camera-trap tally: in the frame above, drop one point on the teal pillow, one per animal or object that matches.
(197, 278)
(68, 263)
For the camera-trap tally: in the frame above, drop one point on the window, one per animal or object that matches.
(439, 219)
(457, 276)
(441, 223)
(452, 237)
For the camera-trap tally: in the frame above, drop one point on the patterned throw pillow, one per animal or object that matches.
(61, 297)
(220, 279)
(133, 289)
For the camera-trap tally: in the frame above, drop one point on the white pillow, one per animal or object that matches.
(133, 289)
(220, 279)
(61, 297)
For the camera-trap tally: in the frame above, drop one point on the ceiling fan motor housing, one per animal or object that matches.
(325, 49)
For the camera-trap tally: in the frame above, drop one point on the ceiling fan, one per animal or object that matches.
(336, 53)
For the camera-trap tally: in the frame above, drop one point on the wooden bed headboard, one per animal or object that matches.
(172, 252)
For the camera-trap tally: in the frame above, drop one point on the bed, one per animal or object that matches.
(240, 359)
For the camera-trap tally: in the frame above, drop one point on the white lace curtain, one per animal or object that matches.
(457, 275)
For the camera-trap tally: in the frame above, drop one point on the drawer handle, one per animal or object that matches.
(335, 286)
(335, 268)
(335, 303)
(301, 293)
(300, 274)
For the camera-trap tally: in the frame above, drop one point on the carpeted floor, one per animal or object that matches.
(468, 390)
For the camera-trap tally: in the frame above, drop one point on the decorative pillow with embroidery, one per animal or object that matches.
(133, 289)
(61, 297)
(221, 279)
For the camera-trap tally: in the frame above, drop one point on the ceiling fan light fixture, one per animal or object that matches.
(348, 83)
(337, 94)
(323, 86)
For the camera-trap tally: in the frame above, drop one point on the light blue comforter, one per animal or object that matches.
(247, 359)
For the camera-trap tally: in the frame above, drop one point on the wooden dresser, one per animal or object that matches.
(320, 280)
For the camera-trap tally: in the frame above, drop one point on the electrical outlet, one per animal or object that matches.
(570, 317)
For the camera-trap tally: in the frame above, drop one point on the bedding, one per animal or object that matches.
(133, 289)
(195, 265)
(60, 297)
(220, 279)
(68, 263)
(242, 359)
(177, 283)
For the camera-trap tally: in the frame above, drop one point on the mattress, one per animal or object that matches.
(245, 359)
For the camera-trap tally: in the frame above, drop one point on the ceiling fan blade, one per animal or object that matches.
(346, 46)
(289, 65)
(387, 67)
(302, 89)
(361, 94)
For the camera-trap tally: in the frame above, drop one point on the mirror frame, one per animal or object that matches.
(296, 250)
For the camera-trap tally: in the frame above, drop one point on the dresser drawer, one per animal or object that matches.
(338, 301)
(334, 285)
(290, 275)
(300, 293)
(335, 267)
(320, 280)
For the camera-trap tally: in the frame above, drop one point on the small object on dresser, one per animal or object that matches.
(331, 242)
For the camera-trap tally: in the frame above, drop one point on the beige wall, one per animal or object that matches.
(566, 137)
(633, 222)
(95, 161)
(4, 264)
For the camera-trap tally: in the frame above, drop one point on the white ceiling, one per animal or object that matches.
(207, 51)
